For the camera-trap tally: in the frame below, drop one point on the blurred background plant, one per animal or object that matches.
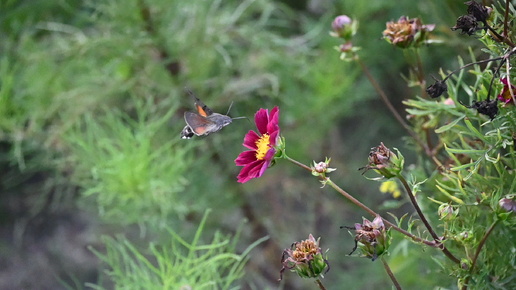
(91, 106)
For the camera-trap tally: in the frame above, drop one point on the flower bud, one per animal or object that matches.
(508, 203)
(305, 258)
(344, 27)
(385, 162)
(321, 168)
(346, 47)
(447, 212)
(407, 32)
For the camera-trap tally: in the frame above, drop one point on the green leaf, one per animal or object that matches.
(449, 125)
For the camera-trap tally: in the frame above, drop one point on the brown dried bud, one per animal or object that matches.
(479, 11)
(466, 23)
(487, 107)
(437, 89)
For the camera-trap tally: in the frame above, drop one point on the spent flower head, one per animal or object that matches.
(437, 89)
(372, 238)
(264, 145)
(305, 258)
(467, 23)
(476, 13)
(384, 161)
(479, 11)
(486, 107)
(407, 32)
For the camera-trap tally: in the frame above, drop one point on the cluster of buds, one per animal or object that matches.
(305, 258)
(384, 161)
(469, 23)
(345, 28)
(407, 32)
(374, 239)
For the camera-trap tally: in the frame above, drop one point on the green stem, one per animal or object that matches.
(477, 253)
(425, 221)
(320, 284)
(391, 275)
(391, 108)
(418, 209)
(328, 181)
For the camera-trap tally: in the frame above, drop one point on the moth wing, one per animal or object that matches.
(199, 124)
(202, 109)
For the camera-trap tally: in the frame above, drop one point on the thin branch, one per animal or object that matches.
(477, 252)
(425, 221)
(326, 180)
(320, 284)
(391, 275)
(391, 108)
(418, 209)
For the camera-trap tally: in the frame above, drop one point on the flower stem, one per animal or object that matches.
(477, 253)
(425, 221)
(391, 275)
(320, 284)
(391, 108)
(416, 206)
(328, 181)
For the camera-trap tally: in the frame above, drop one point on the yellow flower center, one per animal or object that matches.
(263, 146)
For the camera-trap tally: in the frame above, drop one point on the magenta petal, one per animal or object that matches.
(250, 171)
(274, 115)
(261, 118)
(255, 170)
(273, 139)
(273, 120)
(250, 140)
(270, 154)
(243, 176)
(245, 158)
(264, 167)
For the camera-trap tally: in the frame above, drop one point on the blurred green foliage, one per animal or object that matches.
(92, 101)
(177, 264)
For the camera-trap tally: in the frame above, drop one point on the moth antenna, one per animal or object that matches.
(237, 118)
(187, 90)
(230, 105)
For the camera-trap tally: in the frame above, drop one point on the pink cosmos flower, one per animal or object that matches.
(262, 145)
(505, 95)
